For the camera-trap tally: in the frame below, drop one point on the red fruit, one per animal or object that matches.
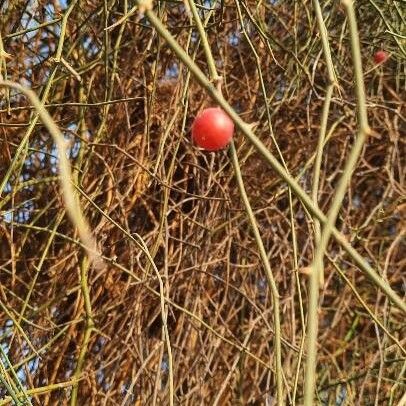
(380, 56)
(212, 129)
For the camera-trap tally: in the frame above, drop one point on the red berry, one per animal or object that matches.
(380, 56)
(212, 129)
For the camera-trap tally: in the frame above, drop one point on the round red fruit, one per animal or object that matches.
(212, 129)
(380, 56)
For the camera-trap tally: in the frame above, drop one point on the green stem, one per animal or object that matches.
(40, 390)
(70, 198)
(324, 119)
(84, 268)
(317, 265)
(10, 390)
(317, 169)
(271, 281)
(317, 276)
(206, 46)
(268, 273)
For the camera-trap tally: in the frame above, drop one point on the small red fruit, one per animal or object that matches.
(380, 57)
(212, 129)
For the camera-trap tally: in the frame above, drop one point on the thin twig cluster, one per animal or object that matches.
(177, 307)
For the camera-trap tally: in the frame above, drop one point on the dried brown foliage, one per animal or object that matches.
(128, 121)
